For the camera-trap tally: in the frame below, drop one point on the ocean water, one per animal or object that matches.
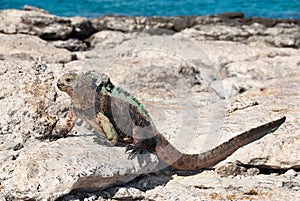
(93, 8)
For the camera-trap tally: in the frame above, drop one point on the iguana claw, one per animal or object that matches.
(133, 151)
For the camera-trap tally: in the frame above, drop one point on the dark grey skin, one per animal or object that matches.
(121, 118)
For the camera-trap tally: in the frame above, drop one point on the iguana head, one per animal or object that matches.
(67, 82)
(82, 87)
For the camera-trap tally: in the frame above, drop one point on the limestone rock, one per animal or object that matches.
(31, 48)
(127, 24)
(278, 36)
(229, 26)
(34, 169)
(208, 186)
(72, 45)
(32, 8)
(49, 170)
(203, 80)
(82, 28)
(230, 169)
(275, 150)
(34, 22)
(99, 37)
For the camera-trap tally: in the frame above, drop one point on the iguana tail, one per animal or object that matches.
(169, 154)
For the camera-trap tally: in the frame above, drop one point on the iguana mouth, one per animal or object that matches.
(60, 85)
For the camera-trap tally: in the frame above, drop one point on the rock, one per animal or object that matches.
(27, 98)
(128, 24)
(231, 15)
(28, 95)
(55, 32)
(230, 169)
(32, 169)
(252, 171)
(35, 22)
(158, 31)
(50, 170)
(208, 186)
(128, 193)
(238, 19)
(290, 174)
(99, 37)
(275, 151)
(31, 48)
(275, 35)
(119, 23)
(32, 8)
(227, 26)
(204, 80)
(285, 36)
(172, 23)
(222, 32)
(72, 45)
(82, 28)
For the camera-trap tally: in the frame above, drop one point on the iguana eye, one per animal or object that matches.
(68, 79)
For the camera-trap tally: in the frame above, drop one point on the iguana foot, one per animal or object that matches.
(133, 151)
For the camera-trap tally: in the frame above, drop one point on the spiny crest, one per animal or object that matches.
(98, 78)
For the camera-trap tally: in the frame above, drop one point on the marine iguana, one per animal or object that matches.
(121, 118)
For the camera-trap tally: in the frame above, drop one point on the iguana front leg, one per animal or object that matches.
(62, 129)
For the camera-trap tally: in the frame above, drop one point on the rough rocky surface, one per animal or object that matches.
(32, 48)
(203, 80)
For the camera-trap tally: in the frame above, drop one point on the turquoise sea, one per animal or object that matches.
(92, 8)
